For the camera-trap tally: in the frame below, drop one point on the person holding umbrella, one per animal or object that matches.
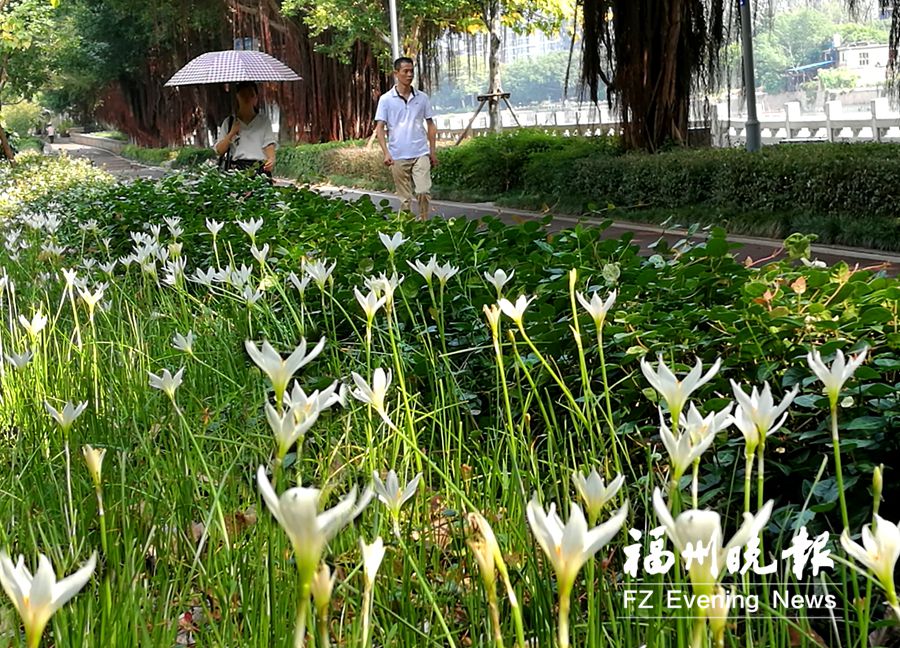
(247, 135)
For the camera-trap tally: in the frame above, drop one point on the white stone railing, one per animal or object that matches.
(878, 124)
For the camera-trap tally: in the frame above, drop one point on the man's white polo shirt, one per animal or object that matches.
(405, 119)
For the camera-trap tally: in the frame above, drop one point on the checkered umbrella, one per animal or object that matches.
(232, 66)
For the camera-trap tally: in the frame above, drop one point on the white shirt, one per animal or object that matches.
(405, 120)
(251, 140)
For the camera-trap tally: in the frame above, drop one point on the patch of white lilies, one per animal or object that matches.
(567, 544)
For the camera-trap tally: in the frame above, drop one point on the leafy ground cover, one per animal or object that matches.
(186, 278)
(842, 193)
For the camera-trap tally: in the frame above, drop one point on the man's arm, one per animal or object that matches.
(432, 141)
(379, 133)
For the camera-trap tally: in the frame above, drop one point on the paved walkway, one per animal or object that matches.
(752, 250)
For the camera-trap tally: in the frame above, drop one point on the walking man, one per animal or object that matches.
(409, 149)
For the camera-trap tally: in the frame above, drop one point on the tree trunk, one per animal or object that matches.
(494, 87)
(6, 148)
(650, 54)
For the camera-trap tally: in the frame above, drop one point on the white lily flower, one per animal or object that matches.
(36, 325)
(695, 529)
(166, 382)
(305, 405)
(674, 391)
(370, 303)
(300, 284)
(93, 457)
(70, 277)
(594, 492)
(392, 496)
(683, 450)
(214, 226)
(596, 307)
(386, 286)
(320, 272)
(499, 279)
(834, 377)
(515, 311)
(250, 227)
(19, 360)
(91, 299)
(568, 546)
(184, 343)
(758, 411)
(878, 553)
(205, 277)
(492, 313)
(287, 428)
(699, 427)
(250, 295)
(372, 555)
(445, 272)
(109, 267)
(176, 231)
(392, 242)
(375, 394)
(37, 598)
(155, 231)
(297, 511)
(280, 371)
(260, 254)
(425, 269)
(172, 221)
(67, 416)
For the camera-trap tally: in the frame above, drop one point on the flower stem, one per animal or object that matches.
(565, 595)
(367, 615)
(302, 611)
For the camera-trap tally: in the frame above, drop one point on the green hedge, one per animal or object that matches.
(845, 193)
(342, 162)
(184, 157)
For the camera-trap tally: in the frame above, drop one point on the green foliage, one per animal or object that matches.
(22, 117)
(541, 78)
(26, 41)
(151, 156)
(824, 189)
(876, 32)
(771, 62)
(305, 162)
(838, 79)
(179, 479)
(39, 179)
(114, 135)
(192, 156)
(181, 158)
(494, 164)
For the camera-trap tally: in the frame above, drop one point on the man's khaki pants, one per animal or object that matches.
(413, 174)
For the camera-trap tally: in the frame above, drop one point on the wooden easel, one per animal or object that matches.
(483, 99)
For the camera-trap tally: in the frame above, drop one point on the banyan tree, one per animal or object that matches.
(655, 56)
(335, 100)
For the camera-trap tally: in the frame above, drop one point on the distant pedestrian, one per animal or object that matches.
(51, 132)
(412, 134)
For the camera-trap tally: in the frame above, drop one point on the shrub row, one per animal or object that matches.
(844, 193)
(184, 157)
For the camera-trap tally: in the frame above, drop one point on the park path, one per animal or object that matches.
(751, 249)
